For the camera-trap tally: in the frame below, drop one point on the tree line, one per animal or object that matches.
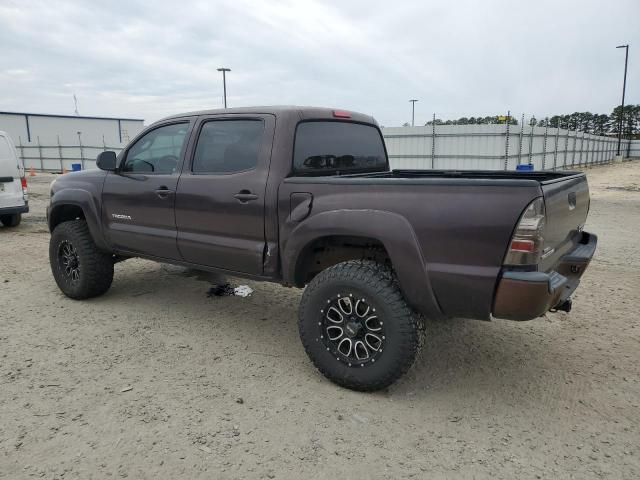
(597, 124)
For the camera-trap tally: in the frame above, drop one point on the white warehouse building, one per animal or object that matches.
(55, 142)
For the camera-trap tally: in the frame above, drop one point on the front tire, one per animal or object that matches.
(356, 326)
(79, 268)
(11, 220)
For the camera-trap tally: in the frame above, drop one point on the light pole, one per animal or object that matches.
(413, 111)
(224, 83)
(624, 87)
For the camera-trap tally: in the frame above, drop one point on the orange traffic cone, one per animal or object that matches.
(32, 172)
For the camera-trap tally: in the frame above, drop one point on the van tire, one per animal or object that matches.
(79, 268)
(11, 220)
(382, 308)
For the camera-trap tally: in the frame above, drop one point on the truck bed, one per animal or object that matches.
(541, 176)
(494, 177)
(462, 220)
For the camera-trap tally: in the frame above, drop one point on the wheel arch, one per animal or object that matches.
(73, 204)
(64, 213)
(327, 250)
(388, 236)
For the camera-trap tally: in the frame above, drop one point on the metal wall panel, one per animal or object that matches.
(489, 147)
(54, 142)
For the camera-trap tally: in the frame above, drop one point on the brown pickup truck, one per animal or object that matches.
(305, 197)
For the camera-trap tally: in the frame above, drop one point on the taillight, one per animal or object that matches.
(23, 182)
(527, 241)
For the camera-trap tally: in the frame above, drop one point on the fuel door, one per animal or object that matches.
(300, 204)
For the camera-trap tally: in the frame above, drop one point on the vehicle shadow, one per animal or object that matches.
(498, 359)
(465, 357)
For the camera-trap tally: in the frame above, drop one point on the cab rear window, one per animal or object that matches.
(334, 147)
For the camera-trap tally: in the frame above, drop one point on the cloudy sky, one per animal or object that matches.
(459, 58)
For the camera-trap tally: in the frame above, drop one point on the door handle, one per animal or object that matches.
(245, 196)
(163, 192)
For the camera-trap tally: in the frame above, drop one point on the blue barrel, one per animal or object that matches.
(525, 167)
(76, 167)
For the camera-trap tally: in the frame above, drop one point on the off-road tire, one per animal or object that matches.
(11, 220)
(95, 267)
(378, 285)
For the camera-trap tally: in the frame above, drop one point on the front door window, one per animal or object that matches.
(158, 152)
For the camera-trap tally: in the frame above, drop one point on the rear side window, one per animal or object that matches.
(324, 148)
(228, 146)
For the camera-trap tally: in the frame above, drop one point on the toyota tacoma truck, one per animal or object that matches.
(305, 197)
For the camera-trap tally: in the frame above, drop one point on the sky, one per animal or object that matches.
(147, 60)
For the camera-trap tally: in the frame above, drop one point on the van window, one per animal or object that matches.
(329, 147)
(5, 150)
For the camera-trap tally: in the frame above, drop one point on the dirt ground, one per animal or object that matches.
(156, 380)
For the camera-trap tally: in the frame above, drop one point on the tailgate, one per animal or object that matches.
(567, 204)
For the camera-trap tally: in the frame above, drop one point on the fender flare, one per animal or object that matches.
(392, 230)
(85, 201)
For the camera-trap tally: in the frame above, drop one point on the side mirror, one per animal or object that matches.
(106, 161)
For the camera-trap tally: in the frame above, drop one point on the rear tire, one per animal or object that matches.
(79, 268)
(11, 220)
(356, 326)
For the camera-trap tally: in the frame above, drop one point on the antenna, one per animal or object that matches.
(75, 103)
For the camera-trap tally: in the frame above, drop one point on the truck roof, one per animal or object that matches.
(304, 113)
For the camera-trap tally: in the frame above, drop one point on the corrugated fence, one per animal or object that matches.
(499, 147)
(61, 157)
(470, 147)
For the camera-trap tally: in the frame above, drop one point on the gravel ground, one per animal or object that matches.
(156, 380)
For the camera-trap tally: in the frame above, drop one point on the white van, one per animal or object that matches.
(13, 184)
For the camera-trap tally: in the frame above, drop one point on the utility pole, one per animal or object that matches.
(413, 111)
(224, 83)
(624, 87)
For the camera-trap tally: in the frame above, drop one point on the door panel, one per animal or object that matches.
(139, 199)
(221, 194)
(138, 219)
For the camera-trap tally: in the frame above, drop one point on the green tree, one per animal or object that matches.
(574, 120)
(600, 124)
(554, 122)
(630, 119)
(586, 122)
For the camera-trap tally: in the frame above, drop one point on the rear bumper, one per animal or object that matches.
(528, 295)
(13, 210)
